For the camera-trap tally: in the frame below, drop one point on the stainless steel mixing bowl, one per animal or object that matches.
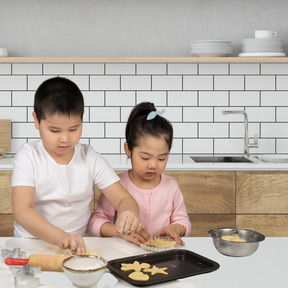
(236, 249)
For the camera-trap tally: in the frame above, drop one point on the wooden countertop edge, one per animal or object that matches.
(144, 59)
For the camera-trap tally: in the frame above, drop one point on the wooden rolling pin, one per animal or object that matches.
(46, 262)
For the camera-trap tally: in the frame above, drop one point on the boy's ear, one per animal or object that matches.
(126, 149)
(35, 120)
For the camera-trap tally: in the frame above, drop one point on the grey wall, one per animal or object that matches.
(140, 28)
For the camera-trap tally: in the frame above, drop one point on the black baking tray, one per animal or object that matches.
(180, 263)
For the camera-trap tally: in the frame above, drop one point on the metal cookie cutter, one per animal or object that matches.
(26, 277)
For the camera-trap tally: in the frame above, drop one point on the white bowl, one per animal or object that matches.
(3, 52)
(84, 270)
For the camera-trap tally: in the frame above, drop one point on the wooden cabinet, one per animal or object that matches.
(254, 200)
(209, 197)
(262, 202)
(6, 215)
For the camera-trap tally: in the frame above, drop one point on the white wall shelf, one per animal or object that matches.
(144, 59)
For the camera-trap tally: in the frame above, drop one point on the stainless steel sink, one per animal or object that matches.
(223, 159)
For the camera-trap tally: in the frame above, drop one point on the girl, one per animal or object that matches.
(162, 208)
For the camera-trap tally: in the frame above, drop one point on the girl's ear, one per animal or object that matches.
(127, 151)
(35, 120)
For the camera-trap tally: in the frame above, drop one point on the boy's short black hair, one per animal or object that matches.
(58, 96)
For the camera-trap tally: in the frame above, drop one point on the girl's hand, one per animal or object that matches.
(73, 242)
(137, 237)
(175, 231)
(128, 222)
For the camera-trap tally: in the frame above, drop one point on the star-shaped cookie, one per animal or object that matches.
(136, 266)
(155, 270)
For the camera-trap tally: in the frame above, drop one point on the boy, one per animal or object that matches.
(53, 179)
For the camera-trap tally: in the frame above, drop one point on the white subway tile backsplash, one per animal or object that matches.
(16, 144)
(265, 146)
(197, 114)
(80, 80)
(220, 117)
(111, 82)
(115, 130)
(213, 98)
(176, 146)
(89, 68)
(125, 112)
(261, 114)
(93, 98)
(172, 114)
(260, 82)
(228, 82)
(236, 130)
(274, 68)
(193, 94)
(282, 146)
(166, 82)
(120, 98)
(108, 146)
(14, 82)
(120, 68)
(24, 130)
(213, 68)
(58, 68)
(139, 82)
(182, 68)
(182, 98)
(244, 98)
(151, 68)
(92, 130)
(282, 82)
(27, 68)
(104, 114)
(244, 68)
(198, 146)
(30, 110)
(282, 114)
(23, 98)
(274, 130)
(16, 114)
(198, 82)
(35, 81)
(183, 130)
(156, 97)
(5, 68)
(5, 98)
(208, 130)
(274, 98)
(228, 146)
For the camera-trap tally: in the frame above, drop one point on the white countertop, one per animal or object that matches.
(179, 162)
(266, 268)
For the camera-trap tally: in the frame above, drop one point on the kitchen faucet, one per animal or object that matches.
(247, 144)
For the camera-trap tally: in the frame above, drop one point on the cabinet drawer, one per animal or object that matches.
(207, 191)
(262, 192)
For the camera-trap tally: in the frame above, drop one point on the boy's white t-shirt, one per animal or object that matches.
(62, 192)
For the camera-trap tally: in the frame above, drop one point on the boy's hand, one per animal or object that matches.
(128, 222)
(137, 237)
(175, 231)
(73, 242)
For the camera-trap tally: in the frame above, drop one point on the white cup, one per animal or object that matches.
(265, 34)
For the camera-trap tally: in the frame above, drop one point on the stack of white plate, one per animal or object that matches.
(268, 47)
(211, 48)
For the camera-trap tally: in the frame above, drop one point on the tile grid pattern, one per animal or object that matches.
(193, 94)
